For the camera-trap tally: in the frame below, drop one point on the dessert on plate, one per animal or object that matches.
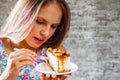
(58, 60)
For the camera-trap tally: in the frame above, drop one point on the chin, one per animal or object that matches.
(36, 46)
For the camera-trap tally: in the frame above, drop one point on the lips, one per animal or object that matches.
(38, 40)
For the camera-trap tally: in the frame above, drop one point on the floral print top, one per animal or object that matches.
(27, 72)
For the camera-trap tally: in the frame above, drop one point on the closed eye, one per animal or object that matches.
(39, 22)
(54, 26)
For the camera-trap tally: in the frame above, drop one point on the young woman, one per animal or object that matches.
(32, 27)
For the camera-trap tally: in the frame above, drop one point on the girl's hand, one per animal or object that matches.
(52, 77)
(16, 61)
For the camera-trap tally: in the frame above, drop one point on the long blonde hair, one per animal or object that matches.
(19, 23)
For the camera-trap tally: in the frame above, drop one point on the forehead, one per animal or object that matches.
(51, 12)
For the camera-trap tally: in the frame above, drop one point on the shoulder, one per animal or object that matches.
(6, 44)
(4, 41)
(0, 41)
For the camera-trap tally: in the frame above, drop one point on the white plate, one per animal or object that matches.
(45, 68)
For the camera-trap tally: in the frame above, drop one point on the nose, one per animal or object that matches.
(45, 31)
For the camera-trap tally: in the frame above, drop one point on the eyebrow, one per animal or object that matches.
(39, 18)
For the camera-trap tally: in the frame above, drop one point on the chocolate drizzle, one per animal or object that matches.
(58, 52)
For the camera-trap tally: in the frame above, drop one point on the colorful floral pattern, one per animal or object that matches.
(27, 72)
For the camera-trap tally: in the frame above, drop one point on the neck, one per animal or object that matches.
(23, 44)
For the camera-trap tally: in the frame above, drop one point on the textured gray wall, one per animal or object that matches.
(93, 39)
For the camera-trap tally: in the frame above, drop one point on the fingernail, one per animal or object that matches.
(53, 75)
(47, 75)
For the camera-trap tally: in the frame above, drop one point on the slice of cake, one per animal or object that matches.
(58, 60)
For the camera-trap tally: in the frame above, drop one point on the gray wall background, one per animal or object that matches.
(93, 39)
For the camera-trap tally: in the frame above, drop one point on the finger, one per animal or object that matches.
(20, 53)
(27, 51)
(22, 58)
(54, 77)
(25, 54)
(61, 77)
(20, 62)
(64, 77)
(48, 77)
(12, 54)
(24, 63)
(42, 76)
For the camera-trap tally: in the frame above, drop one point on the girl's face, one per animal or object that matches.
(48, 19)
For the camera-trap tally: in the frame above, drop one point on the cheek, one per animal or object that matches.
(34, 29)
(32, 32)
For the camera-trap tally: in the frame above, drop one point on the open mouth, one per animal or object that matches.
(38, 40)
